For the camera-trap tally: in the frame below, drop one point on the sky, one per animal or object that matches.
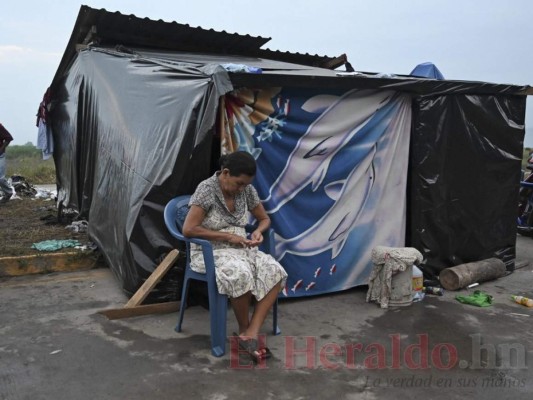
(478, 40)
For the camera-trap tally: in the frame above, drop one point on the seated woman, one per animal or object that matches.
(219, 213)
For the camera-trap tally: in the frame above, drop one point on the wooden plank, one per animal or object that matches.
(159, 308)
(153, 279)
(133, 307)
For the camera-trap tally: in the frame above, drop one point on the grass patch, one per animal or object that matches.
(27, 161)
(23, 226)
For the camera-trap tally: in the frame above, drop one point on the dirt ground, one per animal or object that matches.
(30, 220)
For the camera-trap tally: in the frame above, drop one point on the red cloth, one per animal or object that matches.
(42, 111)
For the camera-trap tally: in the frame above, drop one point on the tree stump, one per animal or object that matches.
(460, 276)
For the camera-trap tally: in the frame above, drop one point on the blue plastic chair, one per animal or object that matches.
(175, 213)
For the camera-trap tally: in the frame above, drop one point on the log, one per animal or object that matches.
(460, 276)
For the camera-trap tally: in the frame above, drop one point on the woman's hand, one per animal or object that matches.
(240, 241)
(257, 237)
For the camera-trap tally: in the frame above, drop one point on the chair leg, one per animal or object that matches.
(183, 304)
(218, 309)
(275, 327)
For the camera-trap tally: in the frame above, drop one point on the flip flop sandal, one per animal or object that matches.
(250, 346)
(265, 352)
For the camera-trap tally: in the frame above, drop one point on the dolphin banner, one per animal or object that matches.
(332, 175)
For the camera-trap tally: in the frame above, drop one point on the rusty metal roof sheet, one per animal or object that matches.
(110, 28)
(99, 26)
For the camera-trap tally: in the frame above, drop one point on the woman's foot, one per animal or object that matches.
(252, 347)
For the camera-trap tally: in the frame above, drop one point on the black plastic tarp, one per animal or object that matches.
(133, 129)
(130, 134)
(466, 152)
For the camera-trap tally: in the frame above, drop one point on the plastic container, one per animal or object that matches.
(523, 300)
(401, 289)
(417, 284)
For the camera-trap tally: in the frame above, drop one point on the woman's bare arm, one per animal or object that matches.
(263, 223)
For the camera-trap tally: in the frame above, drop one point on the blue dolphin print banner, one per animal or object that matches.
(332, 175)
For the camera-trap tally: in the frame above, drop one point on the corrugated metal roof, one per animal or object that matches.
(113, 28)
(110, 28)
(305, 59)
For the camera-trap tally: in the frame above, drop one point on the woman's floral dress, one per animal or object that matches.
(238, 270)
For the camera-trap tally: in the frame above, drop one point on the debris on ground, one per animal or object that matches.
(78, 226)
(26, 220)
(22, 187)
(478, 299)
(54, 245)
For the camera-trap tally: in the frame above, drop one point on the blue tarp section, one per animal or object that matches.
(427, 70)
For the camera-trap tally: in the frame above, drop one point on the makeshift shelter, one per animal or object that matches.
(347, 160)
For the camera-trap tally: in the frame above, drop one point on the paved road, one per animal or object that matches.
(54, 345)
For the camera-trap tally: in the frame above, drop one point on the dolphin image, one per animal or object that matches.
(319, 103)
(310, 159)
(332, 230)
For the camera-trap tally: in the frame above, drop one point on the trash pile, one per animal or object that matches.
(78, 226)
(67, 217)
(22, 187)
(397, 279)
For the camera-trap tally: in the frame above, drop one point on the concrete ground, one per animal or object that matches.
(54, 345)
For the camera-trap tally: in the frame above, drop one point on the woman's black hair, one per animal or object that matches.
(238, 163)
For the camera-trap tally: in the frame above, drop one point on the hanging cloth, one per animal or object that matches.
(45, 140)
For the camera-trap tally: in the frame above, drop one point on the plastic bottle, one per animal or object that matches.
(523, 300)
(433, 290)
(418, 284)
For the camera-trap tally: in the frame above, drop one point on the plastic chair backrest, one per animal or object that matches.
(182, 209)
(175, 213)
